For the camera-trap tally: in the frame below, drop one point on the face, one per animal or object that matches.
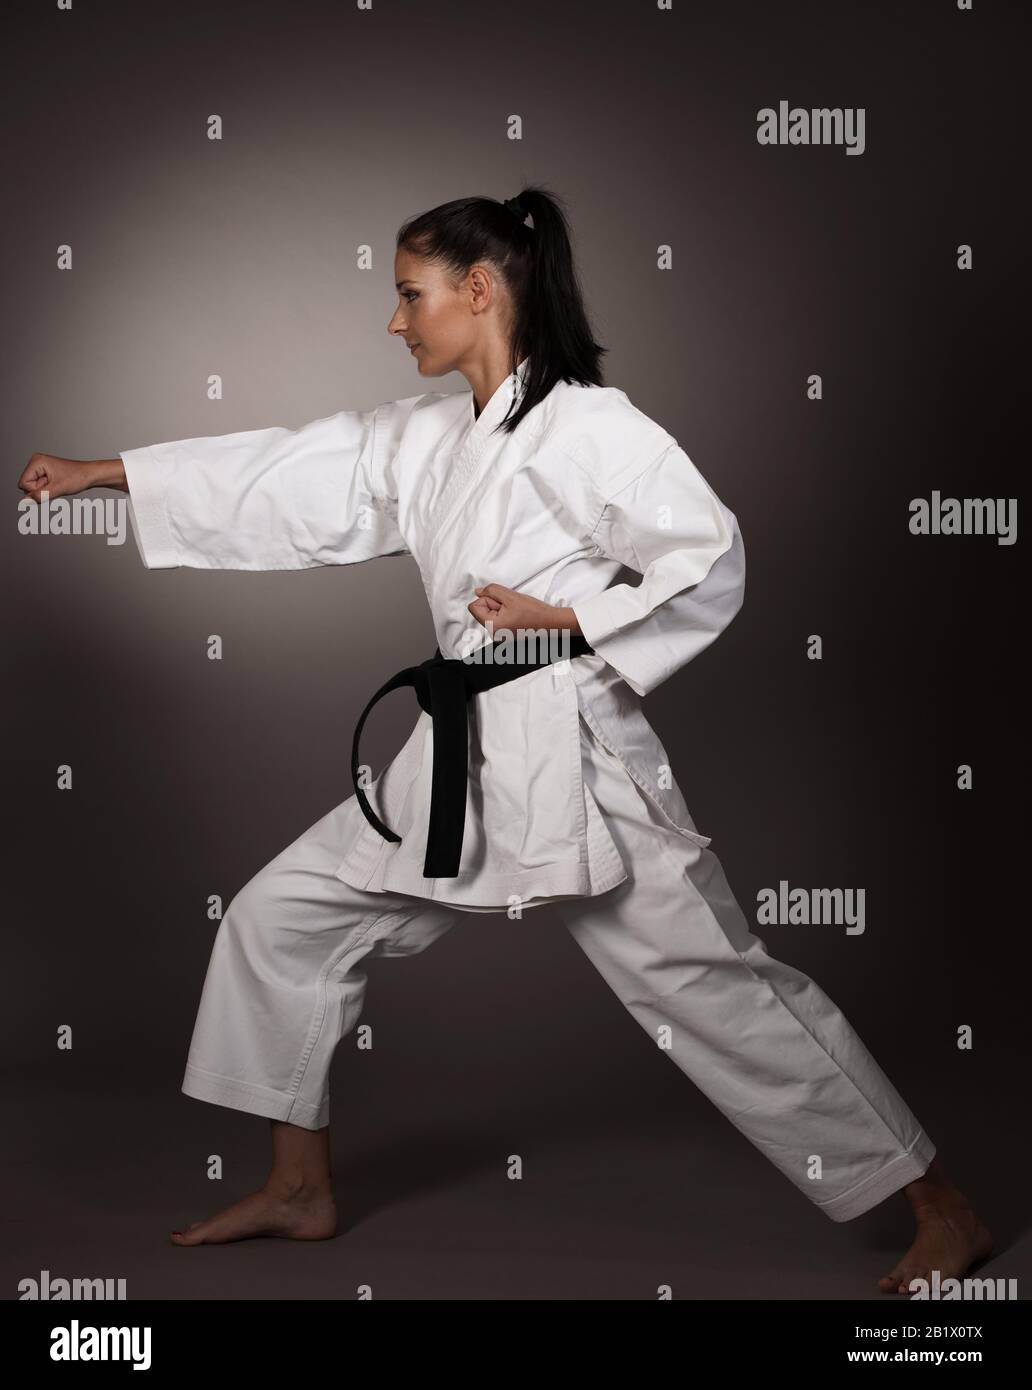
(443, 317)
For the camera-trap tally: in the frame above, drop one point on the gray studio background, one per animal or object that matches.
(237, 257)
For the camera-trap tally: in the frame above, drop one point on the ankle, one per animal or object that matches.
(290, 1183)
(931, 1185)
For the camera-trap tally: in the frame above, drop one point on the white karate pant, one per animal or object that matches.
(759, 1038)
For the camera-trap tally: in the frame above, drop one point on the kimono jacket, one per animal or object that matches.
(586, 486)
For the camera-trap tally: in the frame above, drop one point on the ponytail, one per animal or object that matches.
(550, 323)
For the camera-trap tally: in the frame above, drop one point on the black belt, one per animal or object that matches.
(444, 686)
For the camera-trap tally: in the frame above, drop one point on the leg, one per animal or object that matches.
(284, 986)
(758, 1037)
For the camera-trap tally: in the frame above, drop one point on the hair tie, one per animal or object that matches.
(518, 211)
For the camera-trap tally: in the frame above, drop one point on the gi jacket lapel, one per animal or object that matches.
(463, 466)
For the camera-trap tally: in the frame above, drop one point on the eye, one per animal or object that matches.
(410, 295)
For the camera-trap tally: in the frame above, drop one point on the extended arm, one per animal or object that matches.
(267, 499)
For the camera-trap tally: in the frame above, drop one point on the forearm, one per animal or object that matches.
(567, 620)
(107, 473)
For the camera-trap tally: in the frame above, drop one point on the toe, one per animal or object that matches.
(889, 1282)
(193, 1235)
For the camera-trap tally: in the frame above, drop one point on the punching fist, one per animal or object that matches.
(60, 477)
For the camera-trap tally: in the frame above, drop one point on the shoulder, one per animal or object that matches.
(416, 419)
(429, 407)
(603, 432)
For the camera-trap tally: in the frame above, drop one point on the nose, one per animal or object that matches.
(394, 326)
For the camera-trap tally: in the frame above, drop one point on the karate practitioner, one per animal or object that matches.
(526, 779)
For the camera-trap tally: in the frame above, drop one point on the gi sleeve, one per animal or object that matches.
(670, 526)
(270, 499)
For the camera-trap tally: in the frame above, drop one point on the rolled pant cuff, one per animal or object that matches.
(906, 1167)
(259, 1100)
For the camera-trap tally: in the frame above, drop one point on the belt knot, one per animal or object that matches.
(444, 686)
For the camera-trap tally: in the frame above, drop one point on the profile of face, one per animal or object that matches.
(443, 318)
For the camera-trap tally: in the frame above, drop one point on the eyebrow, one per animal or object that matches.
(398, 283)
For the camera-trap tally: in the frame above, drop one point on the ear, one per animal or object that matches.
(481, 285)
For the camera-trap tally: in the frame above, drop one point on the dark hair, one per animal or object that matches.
(550, 322)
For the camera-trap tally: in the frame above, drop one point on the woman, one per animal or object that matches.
(520, 500)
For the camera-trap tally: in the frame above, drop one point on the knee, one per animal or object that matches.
(249, 901)
(254, 918)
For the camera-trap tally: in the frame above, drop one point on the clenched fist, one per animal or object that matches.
(507, 610)
(61, 477)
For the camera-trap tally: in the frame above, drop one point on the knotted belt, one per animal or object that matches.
(444, 686)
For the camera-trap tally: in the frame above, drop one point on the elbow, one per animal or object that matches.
(734, 560)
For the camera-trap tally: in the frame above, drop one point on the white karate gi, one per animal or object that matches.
(569, 787)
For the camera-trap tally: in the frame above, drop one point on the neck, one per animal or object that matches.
(486, 375)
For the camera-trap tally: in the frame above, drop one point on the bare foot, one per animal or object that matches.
(950, 1237)
(296, 1213)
